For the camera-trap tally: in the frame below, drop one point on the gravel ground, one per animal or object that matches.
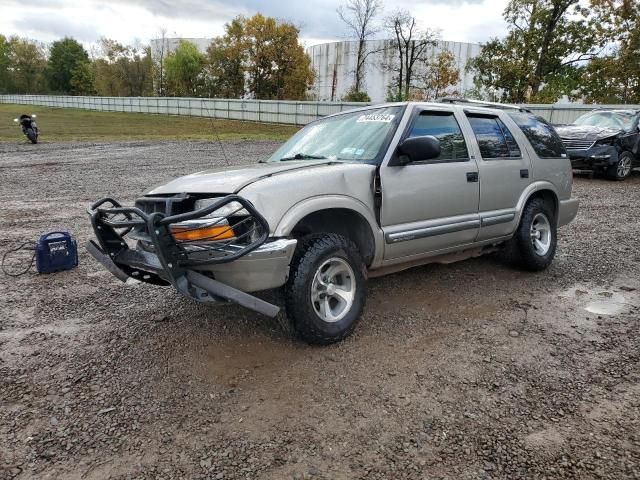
(466, 371)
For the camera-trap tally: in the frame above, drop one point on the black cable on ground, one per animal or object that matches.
(21, 247)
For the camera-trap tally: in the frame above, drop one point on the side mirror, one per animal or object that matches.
(416, 149)
(15, 120)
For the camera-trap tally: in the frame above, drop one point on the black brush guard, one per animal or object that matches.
(168, 261)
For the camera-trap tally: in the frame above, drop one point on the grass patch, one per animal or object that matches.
(74, 125)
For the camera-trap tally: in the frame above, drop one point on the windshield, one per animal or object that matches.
(357, 136)
(617, 120)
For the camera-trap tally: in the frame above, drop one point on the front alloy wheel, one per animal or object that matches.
(333, 290)
(622, 169)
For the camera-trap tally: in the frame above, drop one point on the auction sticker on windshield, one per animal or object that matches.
(376, 117)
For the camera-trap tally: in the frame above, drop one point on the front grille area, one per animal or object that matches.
(577, 144)
(168, 205)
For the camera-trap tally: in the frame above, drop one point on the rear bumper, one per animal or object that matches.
(207, 271)
(567, 211)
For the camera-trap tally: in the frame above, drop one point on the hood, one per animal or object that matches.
(233, 179)
(585, 132)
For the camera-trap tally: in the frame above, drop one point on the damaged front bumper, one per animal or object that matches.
(155, 247)
(596, 157)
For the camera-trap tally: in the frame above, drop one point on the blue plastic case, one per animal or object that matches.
(56, 251)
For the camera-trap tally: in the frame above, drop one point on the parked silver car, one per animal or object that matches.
(351, 196)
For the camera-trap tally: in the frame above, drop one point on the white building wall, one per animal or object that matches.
(342, 56)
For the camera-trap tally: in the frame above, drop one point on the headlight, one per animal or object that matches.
(233, 208)
(202, 230)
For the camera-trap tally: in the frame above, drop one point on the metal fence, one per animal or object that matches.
(267, 111)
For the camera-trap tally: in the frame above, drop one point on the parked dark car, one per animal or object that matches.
(606, 141)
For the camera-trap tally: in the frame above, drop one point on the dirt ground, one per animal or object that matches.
(466, 371)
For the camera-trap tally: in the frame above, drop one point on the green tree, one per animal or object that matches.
(64, 57)
(615, 77)
(83, 79)
(6, 83)
(27, 66)
(354, 95)
(226, 62)
(184, 68)
(545, 37)
(440, 74)
(277, 66)
(123, 70)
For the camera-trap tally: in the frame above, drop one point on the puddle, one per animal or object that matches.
(601, 301)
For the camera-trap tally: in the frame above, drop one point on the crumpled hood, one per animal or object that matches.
(225, 180)
(585, 132)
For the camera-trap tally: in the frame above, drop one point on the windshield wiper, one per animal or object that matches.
(303, 156)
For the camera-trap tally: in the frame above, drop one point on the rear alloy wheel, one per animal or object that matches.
(622, 169)
(326, 290)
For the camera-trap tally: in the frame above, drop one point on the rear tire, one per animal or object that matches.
(621, 170)
(327, 288)
(32, 135)
(533, 247)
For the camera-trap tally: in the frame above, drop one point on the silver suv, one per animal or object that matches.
(349, 197)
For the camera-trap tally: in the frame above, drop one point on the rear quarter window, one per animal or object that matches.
(543, 138)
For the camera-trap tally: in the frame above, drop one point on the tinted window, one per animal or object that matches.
(514, 149)
(494, 138)
(445, 128)
(543, 138)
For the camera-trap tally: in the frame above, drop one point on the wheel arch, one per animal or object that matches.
(335, 214)
(544, 190)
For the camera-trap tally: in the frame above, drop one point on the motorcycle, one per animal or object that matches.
(29, 127)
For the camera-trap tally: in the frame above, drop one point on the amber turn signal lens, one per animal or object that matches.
(212, 234)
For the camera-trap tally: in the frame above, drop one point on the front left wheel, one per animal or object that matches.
(327, 288)
(622, 169)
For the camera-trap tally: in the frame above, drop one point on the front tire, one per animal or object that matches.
(533, 247)
(621, 170)
(327, 288)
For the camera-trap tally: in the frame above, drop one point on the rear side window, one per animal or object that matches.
(444, 127)
(543, 138)
(494, 138)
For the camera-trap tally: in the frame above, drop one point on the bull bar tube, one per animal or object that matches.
(172, 262)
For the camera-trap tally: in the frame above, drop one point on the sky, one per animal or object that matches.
(131, 21)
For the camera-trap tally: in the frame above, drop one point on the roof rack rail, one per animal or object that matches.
(481, 103)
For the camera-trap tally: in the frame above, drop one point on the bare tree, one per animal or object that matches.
(358, 16)
(411, 46)
(162, 52)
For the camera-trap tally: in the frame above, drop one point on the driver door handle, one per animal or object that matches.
(472, 176)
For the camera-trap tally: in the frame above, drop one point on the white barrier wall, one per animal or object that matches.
(267, 111)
